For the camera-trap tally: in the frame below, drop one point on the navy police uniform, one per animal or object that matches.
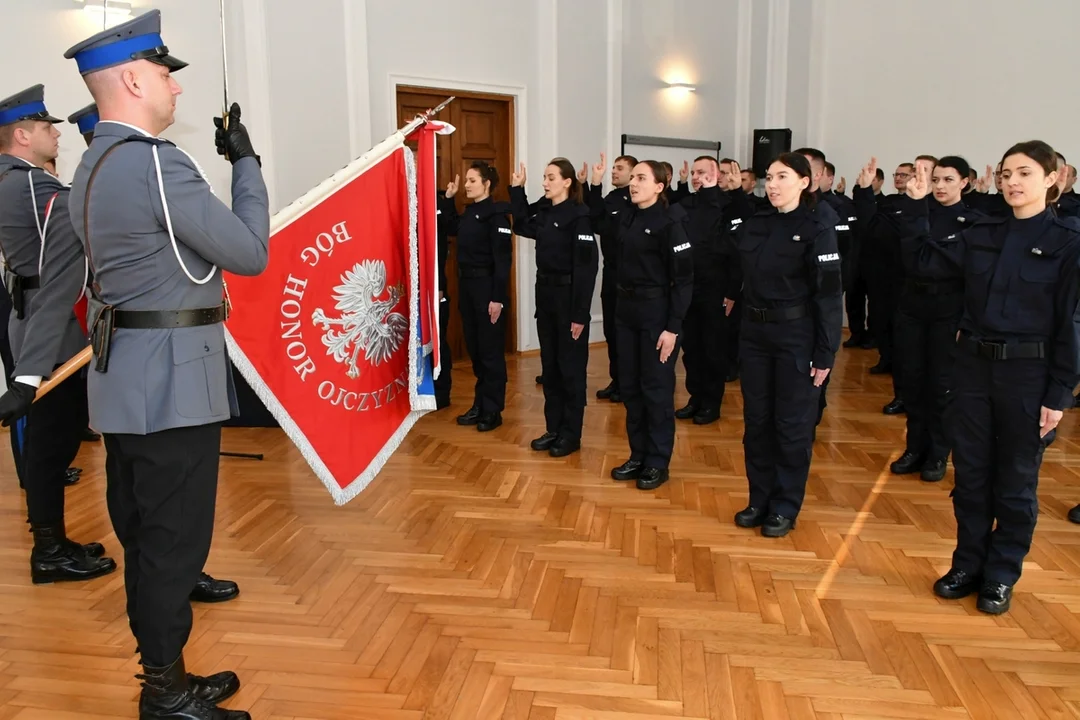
(566, 266)
(160, 388)
(444, 383)
(44, 333)
(792, 319)
(656, 276)
(484, 251)
(1018, 350)
(926, 322)
(606, 213)
(703, 341)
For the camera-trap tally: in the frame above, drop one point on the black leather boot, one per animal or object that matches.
(169, 695)
(216, 688)
(55, 558)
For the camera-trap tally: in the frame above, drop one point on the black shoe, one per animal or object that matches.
(89, 435)
(750, 517)
(607, 392)
(856, 340)
(470, 417)
(706, 416)
(907, 463)
(934, 471)
(489, 422)
(72, 476)
(55, 558)
(629, 470)
(956, 584)
(216, 688)
(168, 694)
(882, 368)
(209, 590)
(777, 526)
(896, 407)
(544, 442)
(868, 343)
(994, 598)
(1074, 515)
(563, 447)
(616, 397)
(652, 478)
(539, 379)
(687, 411)
(732, 376)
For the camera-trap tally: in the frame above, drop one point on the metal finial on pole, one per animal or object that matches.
(105, 15)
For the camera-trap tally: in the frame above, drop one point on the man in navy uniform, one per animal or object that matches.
(157, 240)
(30, 197)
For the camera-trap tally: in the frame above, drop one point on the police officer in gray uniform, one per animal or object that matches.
(158, 240)
(33, 203)
(53, 333)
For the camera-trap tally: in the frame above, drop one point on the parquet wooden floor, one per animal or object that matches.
(477, 579)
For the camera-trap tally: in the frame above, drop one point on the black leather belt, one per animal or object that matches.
(475, 272)
(167, 319)
(933, 287)
(1029, 350)
(555, 280)
(775, 314)
(17, 286)
(643, 292)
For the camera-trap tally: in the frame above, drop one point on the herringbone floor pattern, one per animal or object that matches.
(476, 579)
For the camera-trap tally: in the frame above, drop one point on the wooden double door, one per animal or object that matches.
(484, 126)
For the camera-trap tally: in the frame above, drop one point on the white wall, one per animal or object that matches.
(958, 77)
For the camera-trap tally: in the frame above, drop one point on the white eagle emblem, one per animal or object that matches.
(367, 322)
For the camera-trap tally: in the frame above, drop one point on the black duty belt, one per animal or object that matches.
(557, 280)
(475, 272)
(775, 314)
(167, 319)
(933, 287)
(1016, 350)
(105, 320)
(643, 292)
(17, 286)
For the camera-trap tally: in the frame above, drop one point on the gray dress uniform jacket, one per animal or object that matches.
(53, 334)
(24, 199)
(159, 379)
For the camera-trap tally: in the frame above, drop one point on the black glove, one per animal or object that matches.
(233, 142)
(16, 402)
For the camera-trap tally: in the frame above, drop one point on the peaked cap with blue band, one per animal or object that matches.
(86, 119)
(137, 39)
(28, 104)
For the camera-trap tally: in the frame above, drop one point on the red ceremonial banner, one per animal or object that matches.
(327, 335)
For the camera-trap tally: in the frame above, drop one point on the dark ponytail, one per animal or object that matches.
(487, 174)
(801, 166)
(567, 172)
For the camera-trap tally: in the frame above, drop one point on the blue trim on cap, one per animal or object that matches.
(117, 52)
(20, 112)
(88, 121)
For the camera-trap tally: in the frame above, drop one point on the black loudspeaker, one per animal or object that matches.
(768, 145)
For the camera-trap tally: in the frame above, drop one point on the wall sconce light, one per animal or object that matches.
(107, 12)
(684, 87)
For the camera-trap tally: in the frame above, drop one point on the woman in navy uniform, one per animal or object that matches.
(925, 326)
(655, 281)
(483, 255)
(567, 262)
(792, 320)
(1017, 362)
